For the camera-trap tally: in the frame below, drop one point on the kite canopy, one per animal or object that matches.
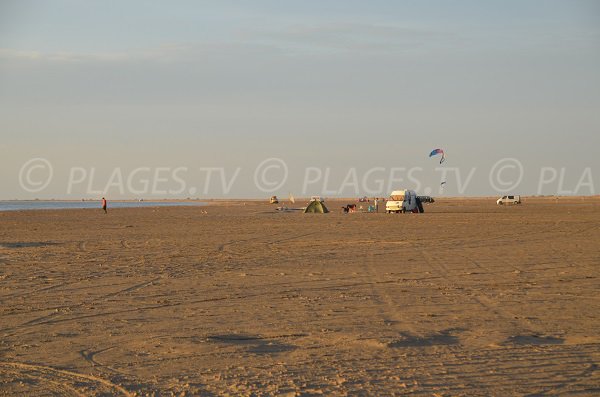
(435, 152)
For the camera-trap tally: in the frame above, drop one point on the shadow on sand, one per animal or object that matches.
(444, 337)
(256, 344)
(534, 340)
(28, 244)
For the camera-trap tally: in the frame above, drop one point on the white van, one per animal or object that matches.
(402, 201)
(509, 200)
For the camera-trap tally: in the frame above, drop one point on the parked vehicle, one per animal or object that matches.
(403, 201)
(509, 200)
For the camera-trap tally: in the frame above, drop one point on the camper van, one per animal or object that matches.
(403, 201)
(509, 200)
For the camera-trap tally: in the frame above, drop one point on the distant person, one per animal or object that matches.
(376, 202)
(104, 205)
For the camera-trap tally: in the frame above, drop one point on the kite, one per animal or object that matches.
(442, 184)
(436, 152)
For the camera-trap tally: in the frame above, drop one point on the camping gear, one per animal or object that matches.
(316, 207)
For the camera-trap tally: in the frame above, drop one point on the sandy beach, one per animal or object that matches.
(467, 299)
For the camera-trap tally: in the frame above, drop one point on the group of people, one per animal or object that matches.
(349, 208)
(372, 208)
(376, 202)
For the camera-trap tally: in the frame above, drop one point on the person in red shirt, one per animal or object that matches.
(104, 205)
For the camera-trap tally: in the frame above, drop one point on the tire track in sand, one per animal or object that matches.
(90, 357)
(63, 380)
(52, 316)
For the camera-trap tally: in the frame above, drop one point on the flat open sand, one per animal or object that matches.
(467, 299)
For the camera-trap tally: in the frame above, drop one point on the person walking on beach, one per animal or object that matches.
(104, 205)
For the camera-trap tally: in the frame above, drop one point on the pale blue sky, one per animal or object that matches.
(335, 84)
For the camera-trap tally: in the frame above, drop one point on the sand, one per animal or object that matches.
(467, 299)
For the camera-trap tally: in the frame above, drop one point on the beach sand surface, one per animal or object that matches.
(235, 298)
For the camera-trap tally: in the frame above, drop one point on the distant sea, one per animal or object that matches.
(18, 205)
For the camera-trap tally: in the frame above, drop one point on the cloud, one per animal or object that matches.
(349, 36)
(319, 38)
(163, 52)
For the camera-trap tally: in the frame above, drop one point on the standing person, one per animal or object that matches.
(104, 205)
(376, 202)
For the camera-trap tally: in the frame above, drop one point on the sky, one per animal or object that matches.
(339, 98)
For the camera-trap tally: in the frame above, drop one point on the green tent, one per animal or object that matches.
(316, 207)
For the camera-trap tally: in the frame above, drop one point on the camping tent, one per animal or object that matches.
(316, 207)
